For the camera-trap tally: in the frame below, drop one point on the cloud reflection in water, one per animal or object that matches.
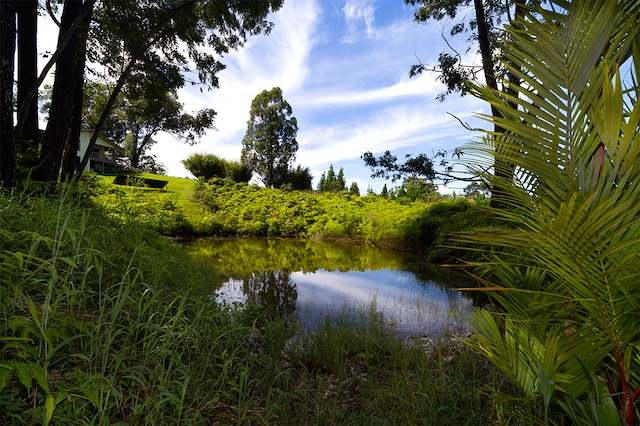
(415, 307)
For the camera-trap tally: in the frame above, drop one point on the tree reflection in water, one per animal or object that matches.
(318, 279)
(272, 289)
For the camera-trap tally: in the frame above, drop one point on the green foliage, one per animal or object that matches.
(251, 210)
(106, 323)
(346, 361)
(269, 144)
(414, 189)
(353, 189)
(386, 166)
(207, 166)
(81, 323)
(237, 258)
(477, 190)
(299, 179)
(564, 276)
(438, 225)
(330, 182)
(483, 26)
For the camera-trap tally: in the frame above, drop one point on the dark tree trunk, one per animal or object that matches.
(28, 67)
(58, 132)
(71, 162)
(503, 171)
(7, 53)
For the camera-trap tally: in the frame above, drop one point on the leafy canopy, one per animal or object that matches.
(269, 145)
(207, 166)
(386, 166)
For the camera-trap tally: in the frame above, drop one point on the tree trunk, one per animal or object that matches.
(503, 171)
(71, 162)
(28, 68)
(58, 132)
(7, 53)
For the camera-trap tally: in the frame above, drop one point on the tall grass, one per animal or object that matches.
(104, 322)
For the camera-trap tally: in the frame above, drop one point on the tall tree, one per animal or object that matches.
(64, 121)
(28, 69)
(71, 147)
(173, 37)
(7, 52)
(269, 145)
(146, 114)
(486, 29)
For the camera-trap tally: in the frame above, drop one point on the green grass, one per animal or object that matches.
(104, 322)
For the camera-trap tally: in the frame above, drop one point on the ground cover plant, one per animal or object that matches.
(224, 208)
(105, 322)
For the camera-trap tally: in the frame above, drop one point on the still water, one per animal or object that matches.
(317, 280)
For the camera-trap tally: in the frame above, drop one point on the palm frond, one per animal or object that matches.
(569, 260)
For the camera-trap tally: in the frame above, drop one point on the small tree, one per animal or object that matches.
(145, 115)
(353, 189)
(414, 188)
(330, 182)
(299, 178)
(477, 191)
(269, 146)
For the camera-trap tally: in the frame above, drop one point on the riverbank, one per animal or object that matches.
(188, 208)
(105, 322)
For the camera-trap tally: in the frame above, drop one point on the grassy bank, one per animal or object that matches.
(106, 322)
(220, 207)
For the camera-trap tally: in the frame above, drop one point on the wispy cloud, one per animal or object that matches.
(359, 18)
(343, 66)
(422, 86)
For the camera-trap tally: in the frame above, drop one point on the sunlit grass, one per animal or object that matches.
(104, 322)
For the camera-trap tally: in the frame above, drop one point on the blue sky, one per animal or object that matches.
(343, 66)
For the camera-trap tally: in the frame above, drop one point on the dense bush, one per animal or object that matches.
(207, 166)
(252, 210)
(222, 207)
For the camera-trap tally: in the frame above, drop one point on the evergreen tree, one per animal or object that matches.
(330, 182)
(353, 189)
(385, 192)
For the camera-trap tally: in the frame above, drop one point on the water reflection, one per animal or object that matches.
(312, 279)
(272, 288)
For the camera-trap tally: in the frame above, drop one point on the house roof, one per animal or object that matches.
(105, 140)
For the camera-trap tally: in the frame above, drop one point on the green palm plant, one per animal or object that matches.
(565, 272)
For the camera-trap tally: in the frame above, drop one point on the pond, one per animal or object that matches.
(316, 280)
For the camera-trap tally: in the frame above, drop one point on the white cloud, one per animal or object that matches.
(359, 18)
(349, 98)
(425, 85)
(393, 128)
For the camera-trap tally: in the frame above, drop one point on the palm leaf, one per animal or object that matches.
(570, 258)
